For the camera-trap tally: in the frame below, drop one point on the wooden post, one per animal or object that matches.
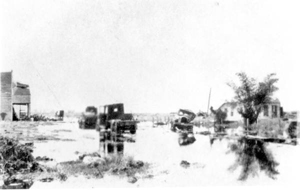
(256, 128)
(247, 125)
(20, 112)
(28, 110)
(208, 101)
(221, 126)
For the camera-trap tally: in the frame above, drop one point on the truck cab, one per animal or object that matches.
(183, 123)
(113, 117)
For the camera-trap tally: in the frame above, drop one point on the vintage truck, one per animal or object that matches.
(88, 119)
(184, 127)
(183, 123)
(114, 118)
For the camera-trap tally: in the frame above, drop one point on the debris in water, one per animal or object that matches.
(95, 154)
(14, 183)
(186, 138)
(44, 158)
(137, 164)
(48, 179)
(185, 164)
(132, 179)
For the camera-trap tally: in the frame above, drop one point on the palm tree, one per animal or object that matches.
(252, 154)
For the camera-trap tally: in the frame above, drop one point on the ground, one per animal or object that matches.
(64, 141)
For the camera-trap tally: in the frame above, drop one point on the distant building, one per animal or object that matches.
(13, 95)
(292, 116)
(271, 110)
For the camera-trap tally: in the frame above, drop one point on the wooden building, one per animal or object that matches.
(13, 94)
(270, 110)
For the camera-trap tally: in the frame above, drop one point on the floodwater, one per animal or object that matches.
(113, 142)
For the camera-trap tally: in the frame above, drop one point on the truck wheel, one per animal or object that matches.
(133, 131)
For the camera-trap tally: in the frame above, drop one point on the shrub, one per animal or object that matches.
(269, 127)
(15, 157)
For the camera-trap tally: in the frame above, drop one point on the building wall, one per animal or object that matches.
(232, 112)
(21, 99)
(233, 115)
(6, 96)
(270, 111)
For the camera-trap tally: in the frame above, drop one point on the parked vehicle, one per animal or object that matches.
(114, 118)
(59, 115)
(183, 123)
(89, 118)
(184, 127)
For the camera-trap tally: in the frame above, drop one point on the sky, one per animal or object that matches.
(153, 56)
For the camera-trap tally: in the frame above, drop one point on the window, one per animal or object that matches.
(115, 109)
(226, 110)
(231, 113)
(266, 110)
(274, 111)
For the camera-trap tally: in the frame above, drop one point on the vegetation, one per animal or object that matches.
(17, 165)
(16, 157)
(252, 95)
(270, 127)
(252, 152)
(113, 164)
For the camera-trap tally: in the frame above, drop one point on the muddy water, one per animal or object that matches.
(113, 142)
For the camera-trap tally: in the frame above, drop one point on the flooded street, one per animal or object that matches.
(157, 146)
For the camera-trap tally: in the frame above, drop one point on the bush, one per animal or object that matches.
(274, 128)
(16, 158)
(269, 127)
(292, 129)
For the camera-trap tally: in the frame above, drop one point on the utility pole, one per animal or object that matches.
(208, 100)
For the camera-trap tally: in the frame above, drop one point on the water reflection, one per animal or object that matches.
(113, 142)
(186, 138)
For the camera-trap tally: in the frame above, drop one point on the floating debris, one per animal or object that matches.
(48, 179)
(132, 179)
(14, 183)
(184, 164)
(186, 138)
(44, 158)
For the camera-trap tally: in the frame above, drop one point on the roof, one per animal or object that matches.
(234, 104)
(231, 104)
(275, 101)
(21, 85)
(20, 89)
(114, 105)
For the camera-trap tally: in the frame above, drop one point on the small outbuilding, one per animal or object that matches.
(15, 98)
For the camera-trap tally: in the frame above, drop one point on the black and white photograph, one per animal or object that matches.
(149, 94)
